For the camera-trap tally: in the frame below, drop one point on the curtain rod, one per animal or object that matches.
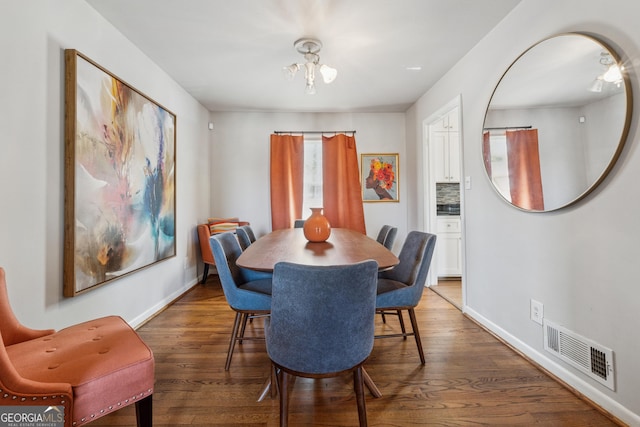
(509, 127)
(314, 131)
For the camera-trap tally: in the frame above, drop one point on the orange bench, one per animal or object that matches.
(205, 231)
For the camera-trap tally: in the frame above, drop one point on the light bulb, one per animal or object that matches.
(613, 74)
(596, 86)
(310, 89)
(290, 71)
(329, 74)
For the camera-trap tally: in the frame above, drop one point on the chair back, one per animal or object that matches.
(246, 236)
(226, 251)
(11, 330)
(387, 236)
(322, 318)
(415, 259)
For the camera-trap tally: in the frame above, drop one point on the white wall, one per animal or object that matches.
(241, 161)
(33, 36)
(581, 262)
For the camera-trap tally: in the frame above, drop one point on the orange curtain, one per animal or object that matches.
(287, 177)
(341, 189)
(525, 179)
(486, 152)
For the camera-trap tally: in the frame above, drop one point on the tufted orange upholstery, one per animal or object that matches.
(90, 369)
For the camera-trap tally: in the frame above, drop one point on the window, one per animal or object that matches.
(312, 195)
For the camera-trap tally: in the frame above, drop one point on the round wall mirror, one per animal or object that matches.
(556, 122)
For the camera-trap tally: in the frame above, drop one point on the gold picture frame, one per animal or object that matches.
(119, 208)
(380, 177)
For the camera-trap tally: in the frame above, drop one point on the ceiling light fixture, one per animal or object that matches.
(612, 74)
(310, 48)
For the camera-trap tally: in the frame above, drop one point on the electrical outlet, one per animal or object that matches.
(186, 263)
(537, 311)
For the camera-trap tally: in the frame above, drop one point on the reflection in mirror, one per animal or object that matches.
(556, 122)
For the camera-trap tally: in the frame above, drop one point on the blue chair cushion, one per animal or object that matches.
(392, 293)
(262, 286)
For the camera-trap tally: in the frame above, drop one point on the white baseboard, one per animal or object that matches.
(561, 372)
(143, 317)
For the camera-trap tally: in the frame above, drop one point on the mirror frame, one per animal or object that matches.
(626, 81)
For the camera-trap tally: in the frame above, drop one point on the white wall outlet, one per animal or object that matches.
(537, 311)
(186, 263)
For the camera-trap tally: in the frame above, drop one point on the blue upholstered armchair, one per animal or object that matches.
(322, 324)
(244, 295)
(400, 288)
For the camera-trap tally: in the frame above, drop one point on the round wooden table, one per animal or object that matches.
(344, 246)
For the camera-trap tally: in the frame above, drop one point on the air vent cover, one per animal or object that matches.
(582, 353)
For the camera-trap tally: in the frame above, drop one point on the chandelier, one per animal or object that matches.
(309, 48)
(612, 73)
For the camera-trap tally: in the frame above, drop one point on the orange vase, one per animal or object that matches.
(317, 228)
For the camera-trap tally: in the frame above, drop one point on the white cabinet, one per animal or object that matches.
(446, 148)
(449, 246)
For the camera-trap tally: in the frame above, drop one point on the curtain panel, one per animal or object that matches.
(486, 152)
(341, 187)
(525, 178)
(287, 179)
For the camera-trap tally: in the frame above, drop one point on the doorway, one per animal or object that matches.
(443, 211)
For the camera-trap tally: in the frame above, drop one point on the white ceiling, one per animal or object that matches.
(229, 54)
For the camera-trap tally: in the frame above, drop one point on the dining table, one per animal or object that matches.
(344, 246)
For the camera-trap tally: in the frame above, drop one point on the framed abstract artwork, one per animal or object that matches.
(380, 177)
(120, 208)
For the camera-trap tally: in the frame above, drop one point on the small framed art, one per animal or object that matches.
(380, 177)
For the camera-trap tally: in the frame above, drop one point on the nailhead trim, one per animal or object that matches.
(23, 399)
(111, 407)
(63, 402)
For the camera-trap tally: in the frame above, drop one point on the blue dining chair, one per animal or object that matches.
(400, 288)
(245, 296)
(387, 235)
(246, 236)
(321, 324)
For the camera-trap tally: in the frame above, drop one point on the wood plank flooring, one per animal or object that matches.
(451, 290)
(470, 378)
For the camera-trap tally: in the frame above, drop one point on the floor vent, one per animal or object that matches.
(582, 353)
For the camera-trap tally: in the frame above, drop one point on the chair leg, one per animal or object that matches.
(401, 320)
(144, 412)
(245, 318)
(205, 274)
(275, 384)
(384, 319)
(232, 342)
(284, 397)
(358, 386)
(416, 333)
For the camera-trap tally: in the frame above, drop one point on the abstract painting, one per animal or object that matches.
(119, 178)
(379, 177)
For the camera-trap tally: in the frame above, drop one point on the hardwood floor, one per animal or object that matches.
(470, 378)
(451, 290)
